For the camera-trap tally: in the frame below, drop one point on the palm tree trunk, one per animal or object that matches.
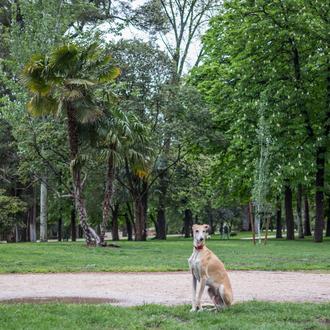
(90, 235)
(43, 209)
(299, 212)
(289, 213)
(108, 193)
(307, 225)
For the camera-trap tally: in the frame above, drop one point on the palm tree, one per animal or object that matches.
(119, 134)
(66, 81)
(137, 165)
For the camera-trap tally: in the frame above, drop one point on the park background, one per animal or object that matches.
(128, 121)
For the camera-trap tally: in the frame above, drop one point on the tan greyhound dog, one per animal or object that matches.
(207, 269)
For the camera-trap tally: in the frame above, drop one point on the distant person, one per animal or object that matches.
(221, 230)
(224, 231)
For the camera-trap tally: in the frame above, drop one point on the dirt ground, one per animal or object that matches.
(128, 289)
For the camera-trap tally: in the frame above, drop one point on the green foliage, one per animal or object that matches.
(67, 76)
(251, 54)
(9, 207)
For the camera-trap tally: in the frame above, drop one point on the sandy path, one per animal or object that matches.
(162, 288)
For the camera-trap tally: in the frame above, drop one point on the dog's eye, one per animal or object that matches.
(203, 231)
(196, 231)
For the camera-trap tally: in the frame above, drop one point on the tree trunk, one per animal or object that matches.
(33, 216)
(153, 220)
(278, 219)
(43, 209)
(307, 225)
(59, 228)
(60, 220)
(327, 135)
(115, 229)
(245, 218)
(90, 235)
(252, 222)
(289, 213)
(129, 227)
(319, 187)
(108, 193)
(139, 215)
(130, 215)
(161, 215)
(145, 197)
(299, 212)
(210, 219)
(187, 222)
(73, 224)
(161, 222)
(327, 233)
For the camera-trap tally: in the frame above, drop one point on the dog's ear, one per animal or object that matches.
(207, 227)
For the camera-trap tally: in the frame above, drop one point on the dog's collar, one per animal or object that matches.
(199, 247)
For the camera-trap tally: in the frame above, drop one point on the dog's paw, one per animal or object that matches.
(199, 309)
(193, 309)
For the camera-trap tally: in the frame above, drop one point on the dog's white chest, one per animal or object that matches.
(194, 265)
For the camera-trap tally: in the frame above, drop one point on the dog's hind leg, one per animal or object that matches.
(212, 293)
(216, 295)
(226, 297)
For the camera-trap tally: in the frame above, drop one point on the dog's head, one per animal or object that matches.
(200, 233)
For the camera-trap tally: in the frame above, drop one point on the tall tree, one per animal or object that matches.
(65, 81)
(179, 26)
(118, 134)
(242, 62)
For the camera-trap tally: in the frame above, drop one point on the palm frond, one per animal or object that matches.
(32, 76)
(65, 59)
(105, 60)
(79, 82)
(111, 74)
(42, 105)
(87, 112)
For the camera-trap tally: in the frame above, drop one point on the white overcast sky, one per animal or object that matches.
(133, 33)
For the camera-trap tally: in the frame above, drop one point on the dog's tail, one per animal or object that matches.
(225, 296)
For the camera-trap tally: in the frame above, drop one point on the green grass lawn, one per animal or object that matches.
(170, 255)
(251, 315)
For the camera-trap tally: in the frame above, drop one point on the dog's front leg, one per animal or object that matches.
(194, 285)
(200, 293)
